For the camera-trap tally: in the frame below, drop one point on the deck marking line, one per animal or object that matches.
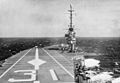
(30, 73)
(59, 64)
(37, 61)
(15, 63)
(53, 74)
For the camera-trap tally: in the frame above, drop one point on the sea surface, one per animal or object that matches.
(107, 47)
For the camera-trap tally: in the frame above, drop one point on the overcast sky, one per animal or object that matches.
(49, 18)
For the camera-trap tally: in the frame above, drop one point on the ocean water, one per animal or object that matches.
(108, 47)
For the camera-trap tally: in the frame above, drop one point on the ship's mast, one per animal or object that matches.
(71, 16)
(70, 36)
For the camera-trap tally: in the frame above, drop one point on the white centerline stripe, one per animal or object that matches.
(59, 64)
(15, 63)
(53, 74)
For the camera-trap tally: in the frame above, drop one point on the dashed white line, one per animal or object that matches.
(15, 63)
(59, 64)
(53, 74)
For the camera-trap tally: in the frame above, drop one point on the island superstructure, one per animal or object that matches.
(70, 36)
